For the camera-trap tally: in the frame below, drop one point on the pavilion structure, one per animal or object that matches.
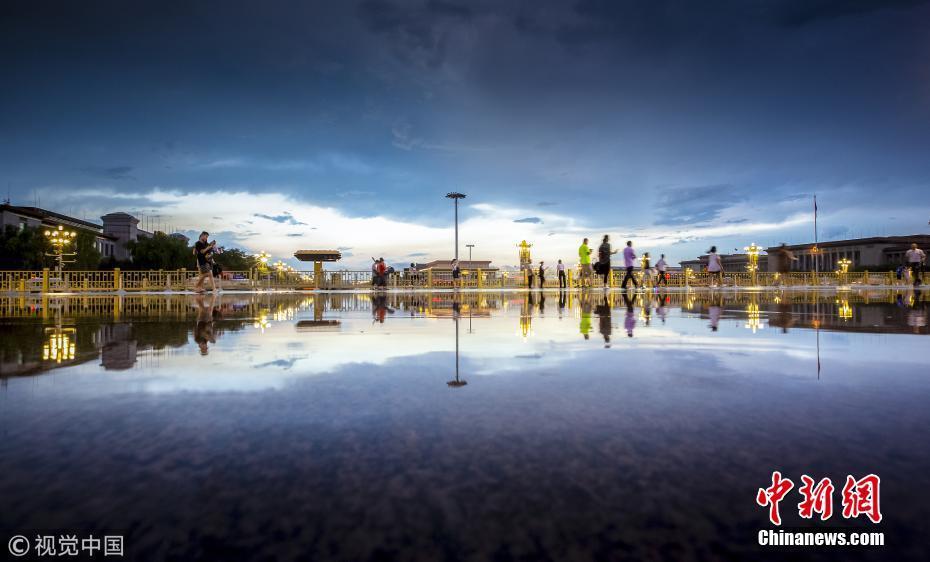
(318, 257)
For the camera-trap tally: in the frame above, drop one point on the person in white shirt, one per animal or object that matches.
(560, 267)
(714, 265)
(915, 261)
(661, 266)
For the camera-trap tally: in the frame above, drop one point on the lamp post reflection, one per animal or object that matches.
(60, 344)
(457, 382)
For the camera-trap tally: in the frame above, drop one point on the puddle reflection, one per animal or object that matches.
(40, 334)
(514, 425)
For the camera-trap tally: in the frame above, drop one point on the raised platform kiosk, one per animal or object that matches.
(318, 257)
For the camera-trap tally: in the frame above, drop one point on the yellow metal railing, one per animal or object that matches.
(46, 280)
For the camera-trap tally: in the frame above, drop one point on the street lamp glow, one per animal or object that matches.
(59, 239)
(753, 251)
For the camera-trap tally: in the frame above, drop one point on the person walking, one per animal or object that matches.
(584, 258)
(560, 268)
(413, 276)
(456, 273)
(542, 275)
(203, 250)
(646, 268)
(783, 265)
(382, 272)
(662, 267)
(915, 261)
(629, 258)
(603, 260)
(374, 272)
(714, 266)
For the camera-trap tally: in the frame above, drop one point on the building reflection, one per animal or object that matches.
(122, 332)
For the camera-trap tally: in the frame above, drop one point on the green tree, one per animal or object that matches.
(160, 252)
(23, 248)
(234, 259)
(88, 257)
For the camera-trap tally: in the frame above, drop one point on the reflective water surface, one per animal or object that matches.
(473, 426)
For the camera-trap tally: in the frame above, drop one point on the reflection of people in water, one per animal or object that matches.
(784, 318)
(647, 310)
(379, 308)
(917, 315)
(203, 332)
(661, 311)
(562, 296)
(629, 322)
(714, 313)
(542, 303)
(585, 326)
(603, 316)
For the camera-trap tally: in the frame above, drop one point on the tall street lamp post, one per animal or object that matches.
(61, 240)
(455, 196)
(469, 246)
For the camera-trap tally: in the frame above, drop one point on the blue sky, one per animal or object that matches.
(343, 124)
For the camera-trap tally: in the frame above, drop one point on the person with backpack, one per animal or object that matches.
(203, 251)
(661, 267)
(646, 269)
(603, 260)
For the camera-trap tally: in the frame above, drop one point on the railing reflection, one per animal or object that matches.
(41, 332)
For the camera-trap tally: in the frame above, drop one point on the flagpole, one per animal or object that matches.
(817, 253)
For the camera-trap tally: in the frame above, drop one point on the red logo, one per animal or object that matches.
(860, 497)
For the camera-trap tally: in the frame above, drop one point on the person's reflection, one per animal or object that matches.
(542, 302)
(647, 310)
(379, 308)
(603, 315)
(714, 313)
(203, 332)
(629, 322)
(562, 295)
(585, 326)
(784, 317)
(662, 300)
(917, 315)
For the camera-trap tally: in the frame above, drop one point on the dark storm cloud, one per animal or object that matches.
(531, 220)
(695, 204)
(589, 104)
(112, 173)
(802, 12)
(418, 32)
(284, 218)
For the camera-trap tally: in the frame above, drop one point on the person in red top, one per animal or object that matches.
(381, 268)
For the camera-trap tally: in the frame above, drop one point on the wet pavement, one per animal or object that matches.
(471, 426)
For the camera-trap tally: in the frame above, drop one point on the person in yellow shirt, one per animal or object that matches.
(584, 258)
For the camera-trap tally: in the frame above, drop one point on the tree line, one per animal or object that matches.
(27, 248)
